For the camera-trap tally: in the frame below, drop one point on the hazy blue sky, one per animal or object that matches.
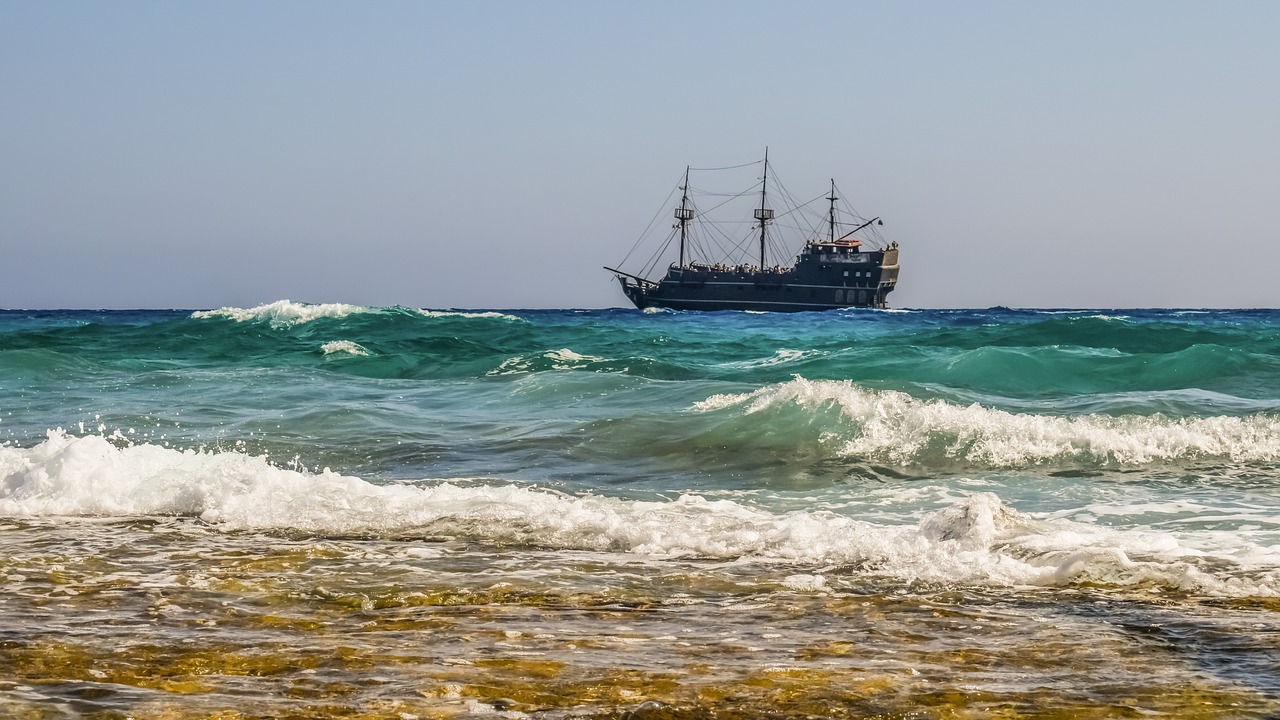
(496, 154)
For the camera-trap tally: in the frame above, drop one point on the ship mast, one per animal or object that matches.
(764, 214)
(684, 214)
(832, 220)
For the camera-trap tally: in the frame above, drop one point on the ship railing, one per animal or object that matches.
(735, 269)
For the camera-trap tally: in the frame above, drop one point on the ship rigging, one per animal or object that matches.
(842, 260)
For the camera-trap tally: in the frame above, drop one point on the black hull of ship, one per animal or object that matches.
(674, 296)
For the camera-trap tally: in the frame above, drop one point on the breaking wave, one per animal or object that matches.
(283, 313)
(468, 314)
(286, 313)
(977, 540)
(893, 426)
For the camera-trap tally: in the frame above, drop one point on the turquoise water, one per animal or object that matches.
(331, 510)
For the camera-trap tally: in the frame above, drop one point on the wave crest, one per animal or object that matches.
(894, 426)
(283, 313)
(468, 314)
(976, 540)
(287, 313)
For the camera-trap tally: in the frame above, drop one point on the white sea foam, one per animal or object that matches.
(283, 312)
(562, 359)
(468, 314)
(975, 540)
(344, 346)
(569, 356)
(897, 427)
(806, 583)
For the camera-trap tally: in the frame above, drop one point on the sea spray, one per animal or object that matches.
(977, 540)
(895, 427)
(283, 313)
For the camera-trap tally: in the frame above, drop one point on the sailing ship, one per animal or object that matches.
(835, 268)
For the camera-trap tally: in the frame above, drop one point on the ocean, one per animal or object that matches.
(325, 510)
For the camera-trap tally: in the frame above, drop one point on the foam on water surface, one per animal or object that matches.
(977, 540)
(283, 313)
(897, 427)
(561, 359)
(488, 314)
(344, 347)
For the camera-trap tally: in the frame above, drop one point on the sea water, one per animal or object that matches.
(325, 510)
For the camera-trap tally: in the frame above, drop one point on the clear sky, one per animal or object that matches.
(496, 154)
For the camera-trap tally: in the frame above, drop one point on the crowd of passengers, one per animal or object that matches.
(720, 267)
